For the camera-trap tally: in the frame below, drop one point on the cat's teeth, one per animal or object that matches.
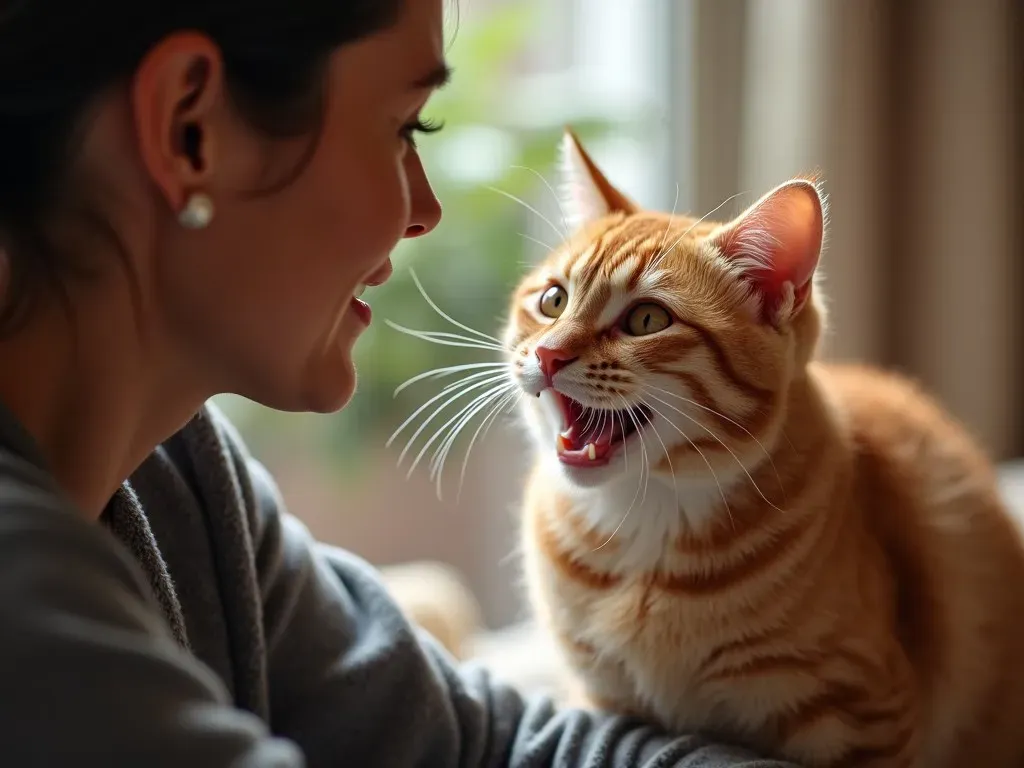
(591, 452)
(561, 444)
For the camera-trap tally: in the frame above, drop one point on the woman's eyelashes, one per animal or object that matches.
(419, 125)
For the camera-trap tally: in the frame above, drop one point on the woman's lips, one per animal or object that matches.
(360, 307)
(362, 310)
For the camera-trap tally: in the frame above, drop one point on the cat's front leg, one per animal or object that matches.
(846, 739)
(598, 681)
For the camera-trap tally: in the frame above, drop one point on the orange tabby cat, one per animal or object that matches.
(728, 536)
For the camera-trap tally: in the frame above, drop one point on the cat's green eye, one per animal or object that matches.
(553, 301)
(645, 319)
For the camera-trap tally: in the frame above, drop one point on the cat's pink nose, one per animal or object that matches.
(553, 360)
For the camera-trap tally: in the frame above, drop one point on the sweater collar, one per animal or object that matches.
(17, 439)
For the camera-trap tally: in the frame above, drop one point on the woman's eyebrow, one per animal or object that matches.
(438, 77)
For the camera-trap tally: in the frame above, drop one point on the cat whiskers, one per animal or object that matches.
(714, 475)
(436, 373)
(437, 465)
(668, 226)
(558, 201)
(622, 426)
(493, 377)
(668, 457)
(539, 242)
(643, 477)
(561, 235)
(446, 339)
(645, 469)
(459, 420)
(731, 421)
(498, 388)
(452, 392)
(433, 305)
(720, 442)
(665, 252)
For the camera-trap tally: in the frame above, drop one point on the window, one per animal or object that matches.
(522, 71)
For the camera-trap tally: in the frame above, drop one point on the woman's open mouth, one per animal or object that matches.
(590, 436)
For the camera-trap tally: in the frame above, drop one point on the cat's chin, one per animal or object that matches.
(590, 477)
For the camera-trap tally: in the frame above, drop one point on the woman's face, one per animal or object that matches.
(262, 301)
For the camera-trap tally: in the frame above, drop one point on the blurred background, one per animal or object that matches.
(910, 109)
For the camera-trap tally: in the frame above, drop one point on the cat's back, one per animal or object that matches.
(892, 419)
(929, 495)
(912, 458)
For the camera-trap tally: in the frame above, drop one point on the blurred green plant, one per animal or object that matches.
(468, 265)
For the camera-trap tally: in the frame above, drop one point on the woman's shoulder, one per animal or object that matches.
(52, 558)
(25, 483)
(32, 505)
(84, 640)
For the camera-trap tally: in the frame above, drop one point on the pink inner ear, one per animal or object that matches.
(778, 240)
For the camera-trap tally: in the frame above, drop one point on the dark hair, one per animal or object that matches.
(57, 56)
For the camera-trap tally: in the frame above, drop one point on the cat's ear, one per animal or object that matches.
(776, 244)
(585, 194)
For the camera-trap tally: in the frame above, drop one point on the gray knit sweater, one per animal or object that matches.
(201, 626)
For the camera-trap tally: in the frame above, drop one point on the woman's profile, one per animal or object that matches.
(192, 197)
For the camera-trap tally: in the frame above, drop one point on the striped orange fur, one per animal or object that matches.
(809, 559)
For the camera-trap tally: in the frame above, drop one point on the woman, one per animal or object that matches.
(192, 196)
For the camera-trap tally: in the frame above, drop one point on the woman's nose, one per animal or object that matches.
(424, 207)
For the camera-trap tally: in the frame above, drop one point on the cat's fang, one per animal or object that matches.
(562, 444)
(591, 452)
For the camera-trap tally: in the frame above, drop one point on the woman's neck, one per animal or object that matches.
(96, 399)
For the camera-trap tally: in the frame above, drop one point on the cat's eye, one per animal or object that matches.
(648, 318)
(553, 301)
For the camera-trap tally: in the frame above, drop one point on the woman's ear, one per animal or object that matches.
(175, 90)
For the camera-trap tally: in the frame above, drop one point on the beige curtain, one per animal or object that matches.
(913, 112)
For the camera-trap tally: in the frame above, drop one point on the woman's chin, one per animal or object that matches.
(325, 385)
(330, 386)
(329, 378)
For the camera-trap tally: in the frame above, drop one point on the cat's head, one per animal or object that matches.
(665, 341)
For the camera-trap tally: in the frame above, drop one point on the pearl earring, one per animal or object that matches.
(198, 211)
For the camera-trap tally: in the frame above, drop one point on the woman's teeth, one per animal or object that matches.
(360, 290)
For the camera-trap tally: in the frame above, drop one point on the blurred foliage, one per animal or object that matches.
(468, 265)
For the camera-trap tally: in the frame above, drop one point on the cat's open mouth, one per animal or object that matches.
(590, 436)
